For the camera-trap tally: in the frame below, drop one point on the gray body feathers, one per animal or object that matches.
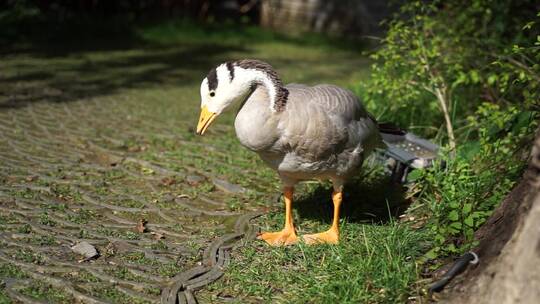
(324, 132)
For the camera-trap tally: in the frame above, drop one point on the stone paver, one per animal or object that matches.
(90, 171)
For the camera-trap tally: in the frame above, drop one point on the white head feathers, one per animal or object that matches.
(232, 82)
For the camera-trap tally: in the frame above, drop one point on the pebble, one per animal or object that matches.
(85, 249)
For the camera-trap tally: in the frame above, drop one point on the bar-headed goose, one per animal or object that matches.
(302, 132)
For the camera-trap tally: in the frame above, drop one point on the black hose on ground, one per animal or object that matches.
(458, 266)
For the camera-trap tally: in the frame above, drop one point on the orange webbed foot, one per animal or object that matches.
(280, 238)
(328, 237)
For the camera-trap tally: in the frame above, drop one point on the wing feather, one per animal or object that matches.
(325, 127)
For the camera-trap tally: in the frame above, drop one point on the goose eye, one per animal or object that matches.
(212, 94)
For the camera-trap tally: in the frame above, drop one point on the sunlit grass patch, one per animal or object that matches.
(47, 293)
(115, 296)
(375, 262)
(372, 264)
(8, 270)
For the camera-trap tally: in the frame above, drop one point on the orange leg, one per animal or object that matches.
(331, 236)
(287, 236)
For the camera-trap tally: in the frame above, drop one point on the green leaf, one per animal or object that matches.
(467, 208)
(469, 149)
(475, 77)
(433, 253)
(492, 79)
(528, 25)
(453, 205)
(456, 225)
(414, 175)
(469, 221)
(453, 215)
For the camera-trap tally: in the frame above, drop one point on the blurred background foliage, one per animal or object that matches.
(447, 57)
(338, 17)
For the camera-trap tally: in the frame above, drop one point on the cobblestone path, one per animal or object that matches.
(97, 146)
(112, 172)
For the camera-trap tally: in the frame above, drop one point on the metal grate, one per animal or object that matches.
(406, 152)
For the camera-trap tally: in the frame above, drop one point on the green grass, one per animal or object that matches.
(47, 293)
(37, 290)
(375, 262)
(116, 296)
(28, 256)
(80, 276)
(11, 271)
(372, 264)
(4, 299)
(124, 274)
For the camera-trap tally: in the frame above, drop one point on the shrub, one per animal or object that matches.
(472, 67)
(461, 195)
(440, 60)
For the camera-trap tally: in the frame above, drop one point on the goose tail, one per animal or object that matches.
(390, 128)
(390, 132)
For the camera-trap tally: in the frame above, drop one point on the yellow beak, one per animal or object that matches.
(205, 120)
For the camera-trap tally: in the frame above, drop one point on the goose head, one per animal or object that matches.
(231, 83)
(224, 86)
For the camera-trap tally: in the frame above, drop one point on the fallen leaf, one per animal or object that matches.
(134, 149)
(148, 171)
(31, 178)
(110, 250)
(167, 181)
(141, 226)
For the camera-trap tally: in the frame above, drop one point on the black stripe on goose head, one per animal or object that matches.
(212, 79)
(230, 67)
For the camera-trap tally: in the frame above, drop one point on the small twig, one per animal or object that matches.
(519, 64)
(248, 6)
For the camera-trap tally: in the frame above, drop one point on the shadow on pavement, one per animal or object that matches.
(49, 62)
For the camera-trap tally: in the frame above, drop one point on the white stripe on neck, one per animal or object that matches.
(249, 77)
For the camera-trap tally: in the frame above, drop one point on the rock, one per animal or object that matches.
(225, 186)
(85, 249)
